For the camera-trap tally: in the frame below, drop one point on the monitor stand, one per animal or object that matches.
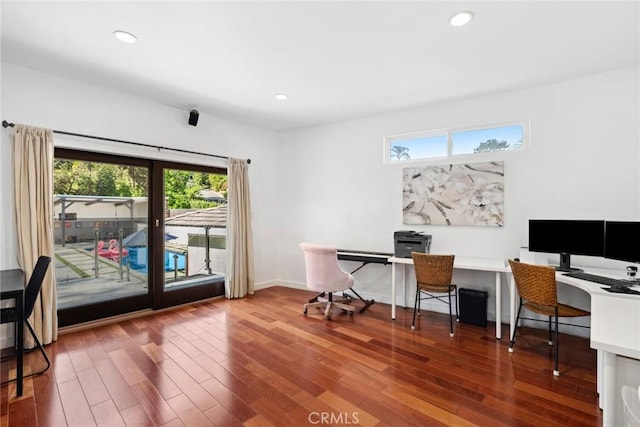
(565, 263)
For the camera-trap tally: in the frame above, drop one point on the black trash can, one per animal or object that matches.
(473, 306)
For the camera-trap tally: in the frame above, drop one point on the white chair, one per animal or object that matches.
(631, 406)
(324, 275)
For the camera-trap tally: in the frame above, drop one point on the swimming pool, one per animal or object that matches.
(138, 260)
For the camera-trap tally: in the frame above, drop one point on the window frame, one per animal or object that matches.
(389, 141)
(156, 297)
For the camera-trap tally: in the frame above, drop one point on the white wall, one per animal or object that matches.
(328, 184)
(48, 101)
(582, 163)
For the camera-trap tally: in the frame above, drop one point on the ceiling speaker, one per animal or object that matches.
(193, 117)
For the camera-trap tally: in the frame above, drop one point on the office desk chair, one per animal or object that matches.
(433, 276)
(536, 285)
(325, 275)
(10, 314)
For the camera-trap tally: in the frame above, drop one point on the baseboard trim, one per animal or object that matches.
(126, 316)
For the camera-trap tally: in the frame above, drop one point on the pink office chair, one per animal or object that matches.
(324, 275)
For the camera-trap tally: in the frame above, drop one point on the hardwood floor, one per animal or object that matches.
(259, 362)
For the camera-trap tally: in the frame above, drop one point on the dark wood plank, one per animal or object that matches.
(258, 361)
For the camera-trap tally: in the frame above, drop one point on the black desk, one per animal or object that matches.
(12, 287)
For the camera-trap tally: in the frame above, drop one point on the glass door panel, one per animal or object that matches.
(100, 219)
(193, 235)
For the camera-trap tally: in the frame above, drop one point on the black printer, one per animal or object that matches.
(406, 242)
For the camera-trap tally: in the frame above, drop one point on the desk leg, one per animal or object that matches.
(498, 306)
(393, 291)
(609, 389)
(19, 346)
(512, 306)
(404, 286)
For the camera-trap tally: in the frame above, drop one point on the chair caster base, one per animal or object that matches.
(304, 312)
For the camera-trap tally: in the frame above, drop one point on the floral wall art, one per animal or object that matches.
(455, 194)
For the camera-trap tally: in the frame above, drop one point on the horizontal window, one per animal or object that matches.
(418, 146)
(451, 143)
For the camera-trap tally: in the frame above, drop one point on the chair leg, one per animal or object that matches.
(315, 299)
(415, 308)
(550, 338)
(556, 345)
(41, 348)
(39, 344)
(327, 311)
(512, 342)
(450, 317)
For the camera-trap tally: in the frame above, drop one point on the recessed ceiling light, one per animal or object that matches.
(125, 37)
(461, 18)
(281, 97)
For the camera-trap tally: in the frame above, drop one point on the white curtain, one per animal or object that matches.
(240, 280)
(33, 195)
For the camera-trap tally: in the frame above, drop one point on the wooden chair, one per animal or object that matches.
(433, 276)
(536, 285)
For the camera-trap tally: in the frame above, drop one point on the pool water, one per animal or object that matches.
(138, 260)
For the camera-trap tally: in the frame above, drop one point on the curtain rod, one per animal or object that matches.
(6, 124)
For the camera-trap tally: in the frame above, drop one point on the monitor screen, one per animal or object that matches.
(567, 237)
(619, 241)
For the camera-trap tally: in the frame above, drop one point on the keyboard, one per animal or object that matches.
(364, 256)
(598, 279)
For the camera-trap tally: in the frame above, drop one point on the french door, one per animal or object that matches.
(133, 234)
(189, 232)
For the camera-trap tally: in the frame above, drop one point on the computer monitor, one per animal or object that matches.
(620, 241)
(567, 237)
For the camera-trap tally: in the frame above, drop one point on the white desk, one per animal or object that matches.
(615, 330)
(463, 263)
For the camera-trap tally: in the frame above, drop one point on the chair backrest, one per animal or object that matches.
(433, 270)
(35, 283)
(535, 283)
(322, 268)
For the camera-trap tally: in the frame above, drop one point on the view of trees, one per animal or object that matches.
(491, 145)
(400, 153)
(182, 188)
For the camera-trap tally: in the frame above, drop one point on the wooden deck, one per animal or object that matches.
(77, 282)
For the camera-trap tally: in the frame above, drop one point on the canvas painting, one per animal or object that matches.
(455, 194)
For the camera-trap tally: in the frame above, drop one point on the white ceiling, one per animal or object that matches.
(335, 60)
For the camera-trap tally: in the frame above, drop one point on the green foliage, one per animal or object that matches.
(77, 177)
(399, 152)
(491, 145)
(202, 204)
(218, 183)
(105, 183)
